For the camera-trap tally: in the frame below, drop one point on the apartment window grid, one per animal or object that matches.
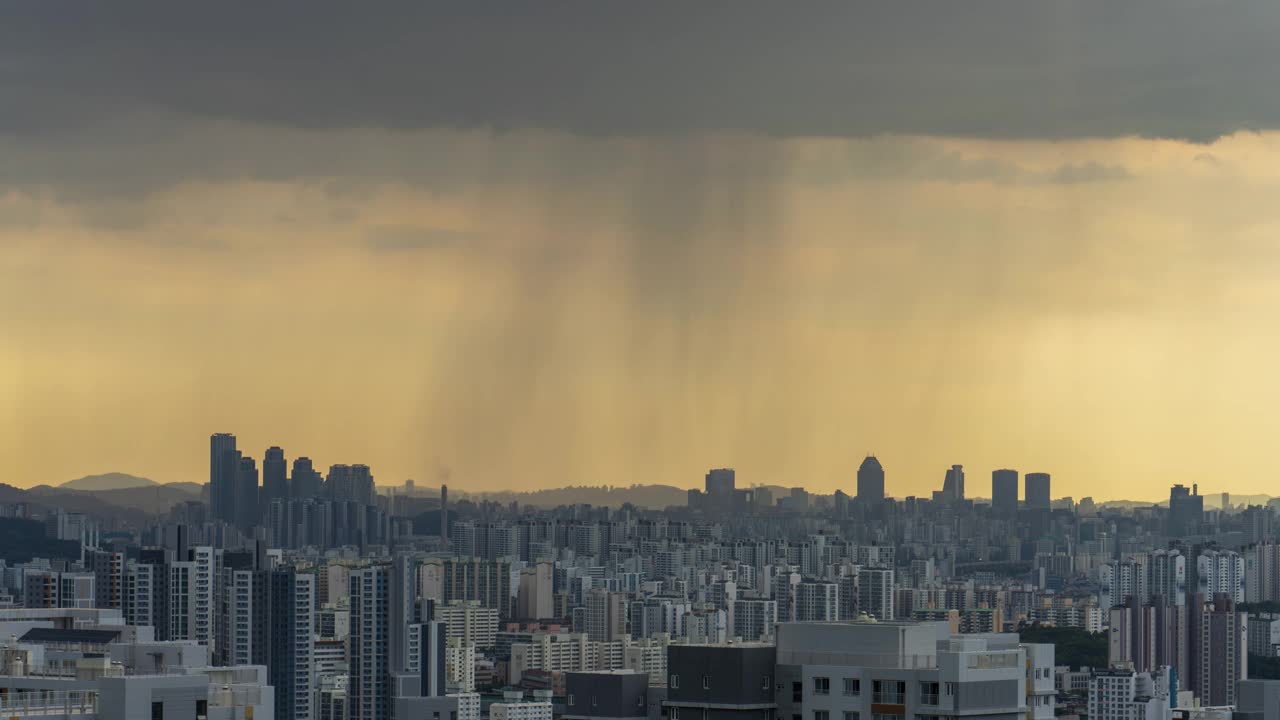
(852, 686)
(821, 686)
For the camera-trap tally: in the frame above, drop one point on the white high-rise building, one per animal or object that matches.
(1167, 576)
(1121, 579)
(460, 666)
(817, 602)
(1129, 695)
(368, 696)
(754, 619)
(875, 592)
(1221, 571)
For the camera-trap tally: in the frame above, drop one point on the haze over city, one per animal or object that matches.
(518, 250)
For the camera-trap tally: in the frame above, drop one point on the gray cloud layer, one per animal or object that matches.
(1193, 69)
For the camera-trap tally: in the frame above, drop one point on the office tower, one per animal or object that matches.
(351, 483)
(369, 685)
(1220, 572)
(224, 468)
(1130, 695)
(1186, 510)
(870, 480)
(1037, 493)
(876, 592)
(291, 599)
(720, 484)
(246, 495)
(1167, 576)
(444, 516)
(275, 476)
(1218, 641)
(305, 481)
(953, 483)
(1004, 492)
(606, 619)
(817, 601)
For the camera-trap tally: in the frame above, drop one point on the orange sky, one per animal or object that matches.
(534, 309)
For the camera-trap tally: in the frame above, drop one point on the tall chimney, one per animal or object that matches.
(444, 515)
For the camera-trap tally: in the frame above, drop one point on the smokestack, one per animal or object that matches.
(444, 515)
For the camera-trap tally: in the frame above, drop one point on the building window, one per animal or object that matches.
(851, 715)
(797, 692)
(949, 688)
(674, 682)
(593, 701)
(764, 685)
(852, 686)
(157, 711)
(675, 712)
(570, 700)
(202, 709)
(822, 686)
(888, 692)
(928, 693)
(821, 715)
(706, 682)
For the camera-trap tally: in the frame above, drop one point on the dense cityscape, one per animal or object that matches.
(287, 593)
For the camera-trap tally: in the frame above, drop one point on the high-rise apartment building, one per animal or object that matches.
(290, 603)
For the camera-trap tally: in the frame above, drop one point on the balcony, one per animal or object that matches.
(48, 702)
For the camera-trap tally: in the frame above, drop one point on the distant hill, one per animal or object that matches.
(155, 499)
(107, 481)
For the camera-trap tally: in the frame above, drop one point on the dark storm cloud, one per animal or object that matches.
(1192, 69)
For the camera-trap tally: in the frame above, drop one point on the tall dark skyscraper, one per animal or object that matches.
(870, 480)
(224, 462)
(352, 483)
(720, 484)
(305, 481)
(246, 494)
(1186, 510)
(953, 483)
(1004, 492)
(275, 476)
(1037, 493)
